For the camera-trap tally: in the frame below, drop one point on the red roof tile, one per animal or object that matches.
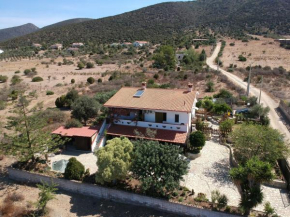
(81, 132)
(161, 135)
(153, 99)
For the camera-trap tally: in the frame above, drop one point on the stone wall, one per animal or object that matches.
(115, 195)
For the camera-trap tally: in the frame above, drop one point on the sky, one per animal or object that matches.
(46, 12)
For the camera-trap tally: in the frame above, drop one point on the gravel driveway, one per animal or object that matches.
(211, 172)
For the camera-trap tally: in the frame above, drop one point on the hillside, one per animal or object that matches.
(67, 22)
(166, 20)
(17, 31)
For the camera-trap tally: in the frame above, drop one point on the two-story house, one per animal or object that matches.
(167, 112)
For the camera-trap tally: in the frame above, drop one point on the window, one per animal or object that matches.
(176, 118)
(164, 116)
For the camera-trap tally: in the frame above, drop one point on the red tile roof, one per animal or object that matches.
(161, 135)
(153, 99)
(81, 132)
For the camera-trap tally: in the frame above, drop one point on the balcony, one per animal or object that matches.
(152, 125)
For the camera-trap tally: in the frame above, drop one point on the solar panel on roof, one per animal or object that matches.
(139, 93)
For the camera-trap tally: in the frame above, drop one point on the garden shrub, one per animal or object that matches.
(226, 125)
(196, 141)
(201, 197)
(222, 201)
(74, 170)
(37, 79)
(49, 92)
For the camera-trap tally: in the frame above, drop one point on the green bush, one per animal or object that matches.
(72, 81)
(73, 123)
(27, 71)
(3, 78)
(100, 80)
(15, 80)
(196, 141)
(222, 201)
(226, 125)
(90, 65)
(2, 105)
(17, 72)
(74, 170)
(242, 58)
(91, 80)
(81, 65)
(60, 101)
(37, 79)
(49, 92)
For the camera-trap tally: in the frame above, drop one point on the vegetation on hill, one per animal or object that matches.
(67, 22)
(9, 33)
(165, 21)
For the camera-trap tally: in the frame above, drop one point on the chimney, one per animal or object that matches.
(144, 85)
(190, 86)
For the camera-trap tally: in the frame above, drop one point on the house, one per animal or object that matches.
(77, 45)
(179, 58)
(140, 43)
(56, 46)
(168, 112)
(127, 44)
(283, 41)
(85, 138)
(36, 45)
(114, 45)
(73, 49)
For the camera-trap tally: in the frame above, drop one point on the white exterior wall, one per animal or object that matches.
(183, 117)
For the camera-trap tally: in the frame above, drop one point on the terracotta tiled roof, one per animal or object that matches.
(142, 42)
(82, 132)
(153, 99)
(161, 135)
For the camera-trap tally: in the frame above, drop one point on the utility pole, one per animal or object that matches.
(249, 81)
(261, 91)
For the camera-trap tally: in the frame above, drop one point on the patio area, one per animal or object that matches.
(88, 159)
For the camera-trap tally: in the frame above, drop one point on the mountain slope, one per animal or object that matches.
(67, 22)
(166, 20)
(17, 31)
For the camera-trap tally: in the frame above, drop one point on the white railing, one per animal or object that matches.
(163, 126)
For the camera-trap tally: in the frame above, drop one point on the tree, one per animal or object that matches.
(196, 141)
(85, 108)
(202, 56)
(250, 176)
(159, 167)
(223, 94)
(29, 138)
(73, 123)
(221, 108)
(74, 170)
(114, 160)
(261, 141)
(72, 81)
(81, 65)
(165, 58)
(103, 97)
(71, 97)
(47, 193)
(60, 102)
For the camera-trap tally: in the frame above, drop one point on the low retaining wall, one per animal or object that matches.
(115, 195)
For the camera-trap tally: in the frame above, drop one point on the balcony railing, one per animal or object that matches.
(163, 126)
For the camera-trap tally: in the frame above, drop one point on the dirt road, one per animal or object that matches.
(266, 100)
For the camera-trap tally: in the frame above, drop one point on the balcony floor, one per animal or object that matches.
(169, 136)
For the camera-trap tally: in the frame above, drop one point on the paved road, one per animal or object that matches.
(266, 100)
